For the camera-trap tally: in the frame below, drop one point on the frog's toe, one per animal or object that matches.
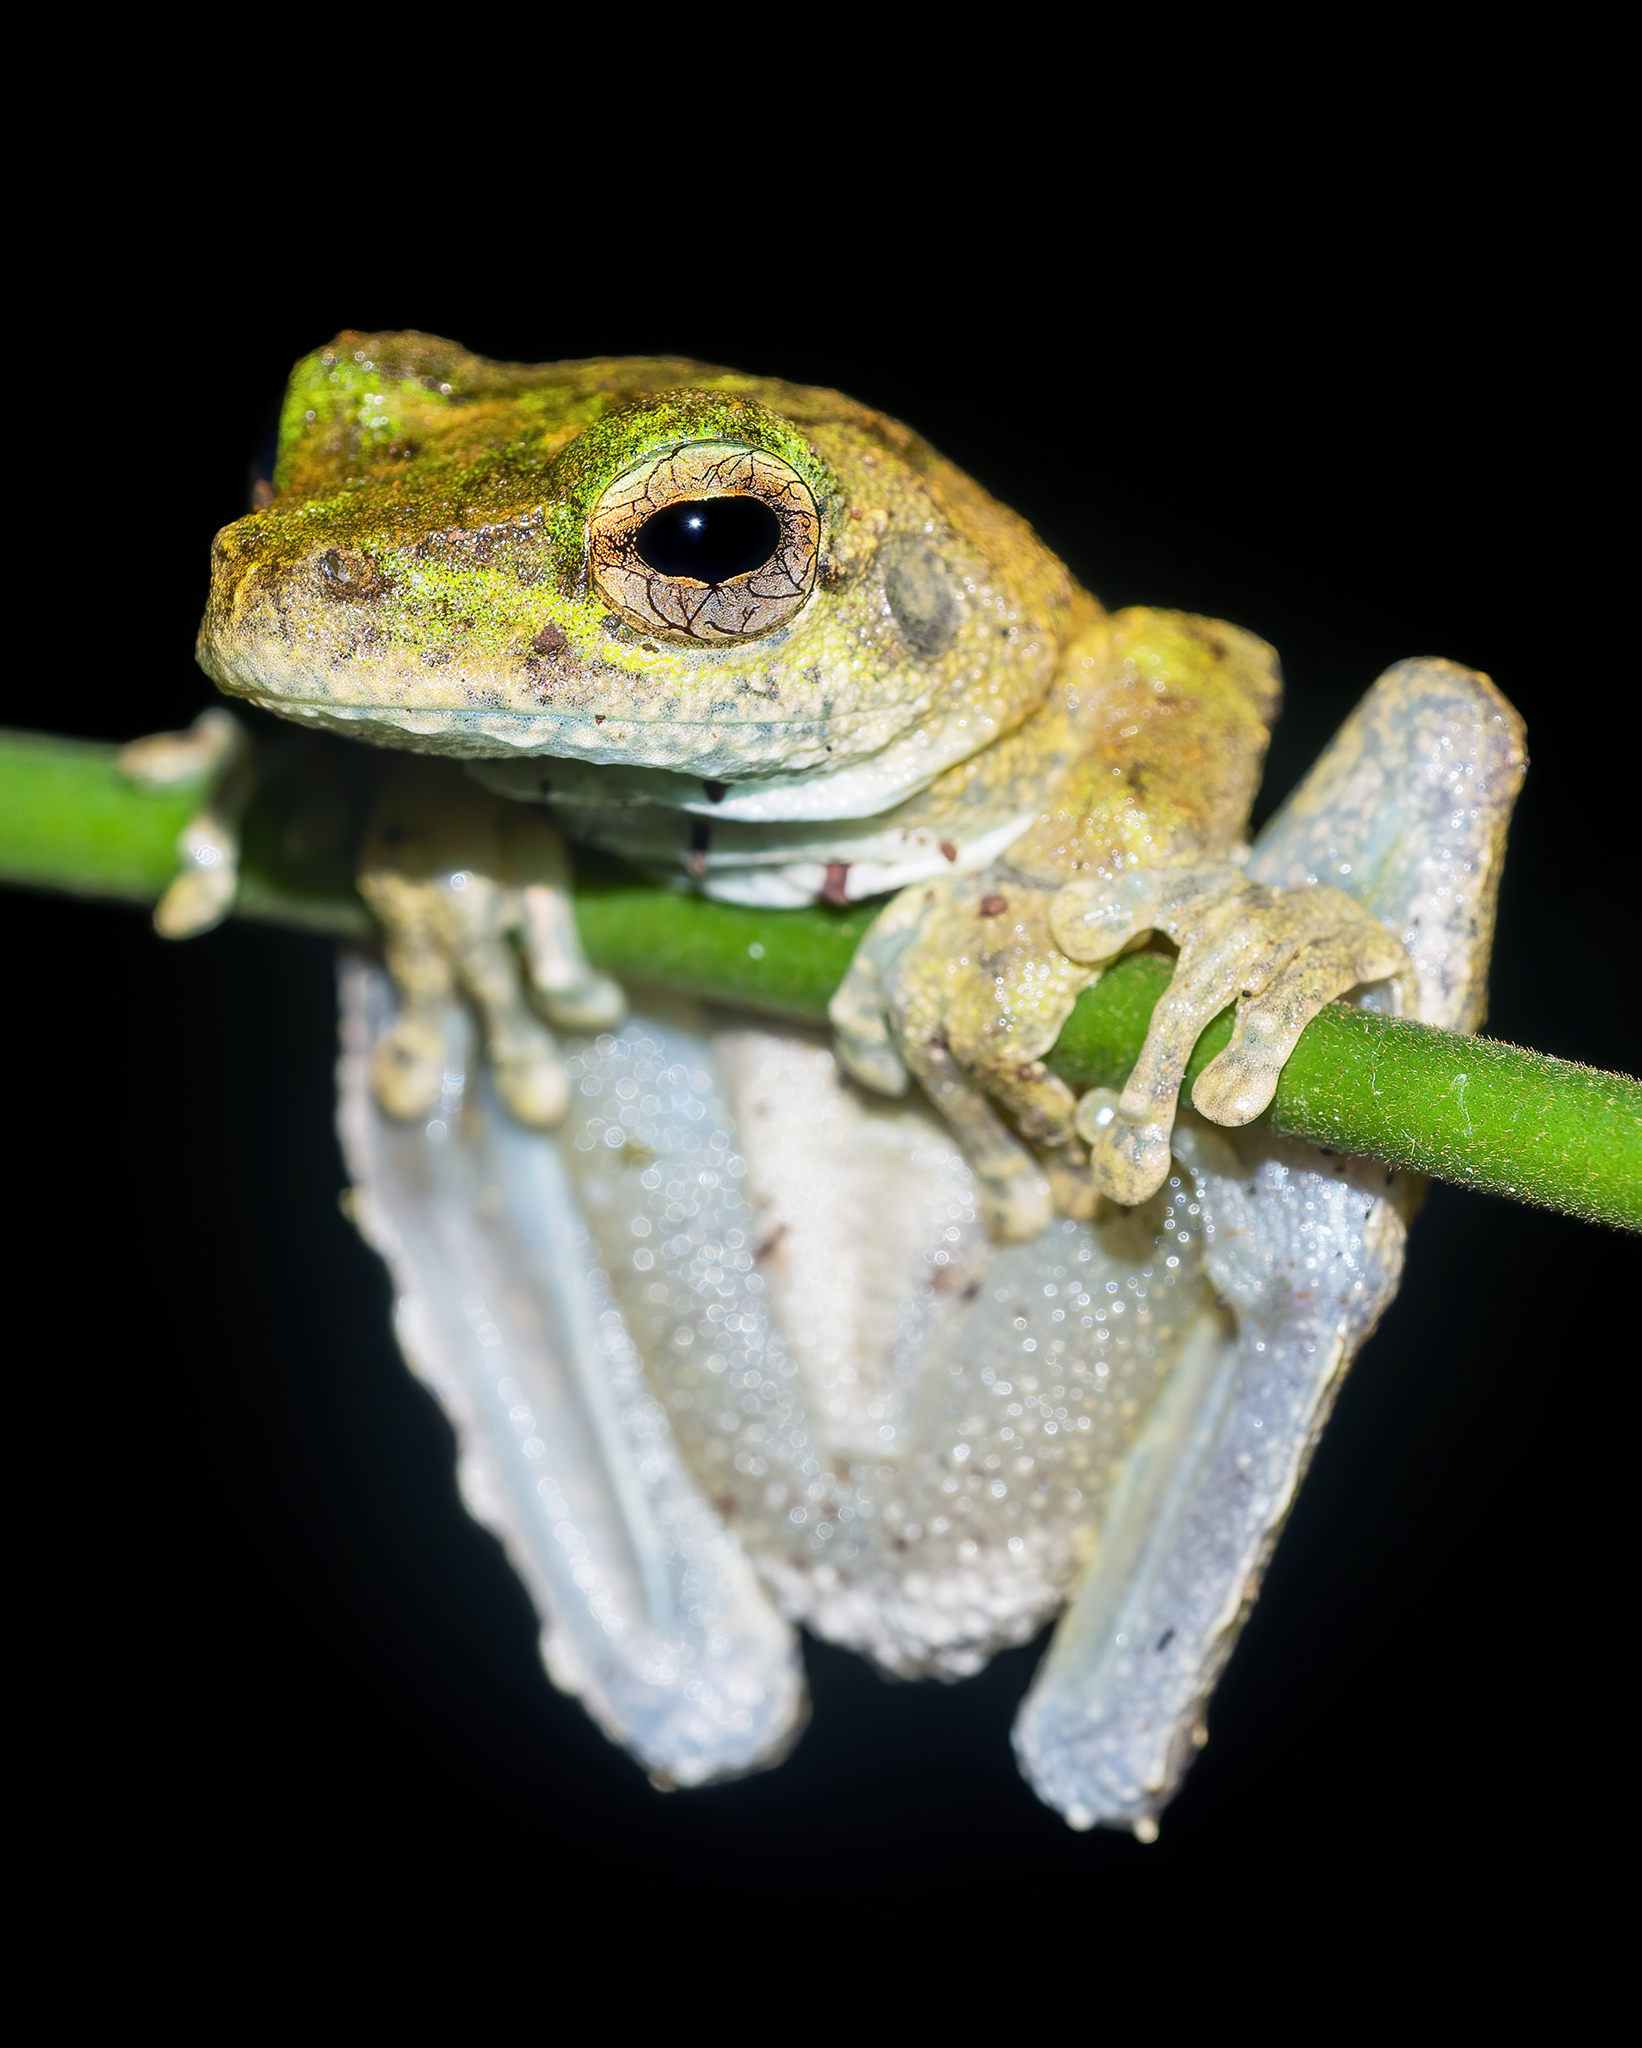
(1016, 1206)
(1129, 1156)
(1012, 1191)
(1096, 1111)
(530, 1077)
(193, 905)
(203, 894)
(875, 1064)
(214, 743)
(564, 985)
(1238, 1085)
(593, 1004)
(408, 1067)
(1128, 1135)
(862, 1037)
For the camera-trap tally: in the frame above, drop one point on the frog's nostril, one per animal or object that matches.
(349, 574)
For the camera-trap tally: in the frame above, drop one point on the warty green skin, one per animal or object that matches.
(457, 491)
(433, 570)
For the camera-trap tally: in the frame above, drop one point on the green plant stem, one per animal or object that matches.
(1468, 1110)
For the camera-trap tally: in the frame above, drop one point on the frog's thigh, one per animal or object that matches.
(1116, 1713)
(651, 1614)
(434, 872)
(1406, 811)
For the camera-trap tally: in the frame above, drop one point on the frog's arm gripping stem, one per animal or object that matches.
(216, 752)
(1279, 955)
(456, 877)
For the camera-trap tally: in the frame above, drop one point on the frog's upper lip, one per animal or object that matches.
(783, 769)
(557, 721)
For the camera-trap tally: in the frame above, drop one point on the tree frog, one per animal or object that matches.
(881, 1331)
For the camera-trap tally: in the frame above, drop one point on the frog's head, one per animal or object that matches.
(644, 560)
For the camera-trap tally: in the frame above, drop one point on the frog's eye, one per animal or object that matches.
(710, 542)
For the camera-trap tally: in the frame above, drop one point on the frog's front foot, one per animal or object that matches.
(1278, 954)
(215, 754)
(473, 896)
(965, 986)
(960, 985)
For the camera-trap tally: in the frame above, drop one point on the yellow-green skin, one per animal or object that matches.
(419, 578)
(460, 489)
(455, 493)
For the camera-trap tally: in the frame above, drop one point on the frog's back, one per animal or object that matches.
(367, 407)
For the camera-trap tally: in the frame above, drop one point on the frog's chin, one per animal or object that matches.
(853, 764)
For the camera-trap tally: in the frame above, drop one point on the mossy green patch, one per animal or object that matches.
(439, 427)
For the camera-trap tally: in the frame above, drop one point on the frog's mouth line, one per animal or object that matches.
(516, 732)
(810, 768)
(514, 725)
(424, 718)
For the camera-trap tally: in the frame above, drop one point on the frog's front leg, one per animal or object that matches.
(961, 987)
(215, 753)
(472, 893)
(973, 980)
(969, 982)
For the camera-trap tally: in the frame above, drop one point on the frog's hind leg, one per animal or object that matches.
(1406, 811)
(651, 1613)
(1304, 1253)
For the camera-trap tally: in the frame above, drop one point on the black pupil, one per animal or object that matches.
(711, 539)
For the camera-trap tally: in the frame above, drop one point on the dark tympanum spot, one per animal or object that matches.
(709, 539)
(920, 593)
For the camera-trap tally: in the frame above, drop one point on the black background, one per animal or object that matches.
(271, 1645)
